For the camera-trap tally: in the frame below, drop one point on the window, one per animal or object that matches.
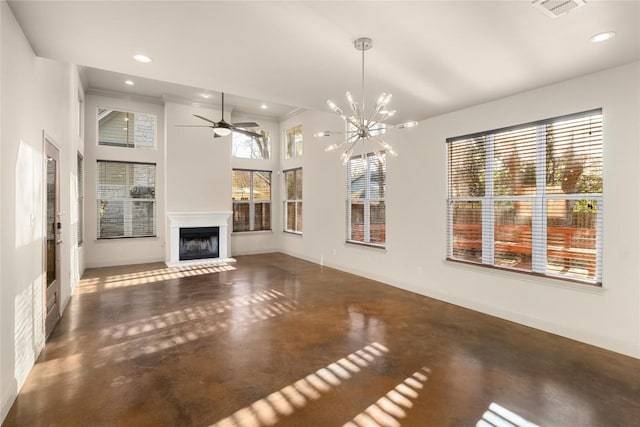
(251, 194)
(293, 141)
(126, 129)
(293, 200)
(366, 188)
(246, 147)
(80, 201)
(529, 197)
(80, 113)
(126, 204)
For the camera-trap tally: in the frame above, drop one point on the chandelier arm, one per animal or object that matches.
(388, 148)
(375, 113)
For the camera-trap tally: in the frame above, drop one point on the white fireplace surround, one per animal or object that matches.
(177, 220)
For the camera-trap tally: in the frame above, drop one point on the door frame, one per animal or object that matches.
(48, 144)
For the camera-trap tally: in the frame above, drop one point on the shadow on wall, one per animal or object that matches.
(23, 321)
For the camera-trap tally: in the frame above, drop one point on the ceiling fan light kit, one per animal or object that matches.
(360, 127)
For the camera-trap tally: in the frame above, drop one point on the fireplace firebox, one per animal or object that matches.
(199, 243)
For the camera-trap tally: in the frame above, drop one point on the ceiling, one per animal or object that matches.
(434, 56)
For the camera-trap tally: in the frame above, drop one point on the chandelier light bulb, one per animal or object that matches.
(335, 108)
(323, 133)
(331, 147)
(346, 156)
(349, 97)
(407, 125)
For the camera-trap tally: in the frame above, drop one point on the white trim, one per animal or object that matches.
(176, 220)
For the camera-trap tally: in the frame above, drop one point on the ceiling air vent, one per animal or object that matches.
(555, 8)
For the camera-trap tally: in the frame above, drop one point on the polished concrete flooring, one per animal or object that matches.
(274, 340)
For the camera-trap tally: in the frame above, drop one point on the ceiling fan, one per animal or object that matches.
(223, 128)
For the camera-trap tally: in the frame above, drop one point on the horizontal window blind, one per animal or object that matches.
(251, 197)
(366, 192)
(529, 197)
(293, 200)
(126, 205)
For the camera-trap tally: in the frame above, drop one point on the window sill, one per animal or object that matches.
(240, 233)
(526, 276)
(366, 245)
(295, 233)
(107, 239)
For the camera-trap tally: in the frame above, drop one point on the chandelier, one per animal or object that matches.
(360, 126)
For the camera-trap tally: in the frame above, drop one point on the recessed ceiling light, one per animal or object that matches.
(205, 95)
(264, 106)
(601, 37)
(128, 82)
(142, 58)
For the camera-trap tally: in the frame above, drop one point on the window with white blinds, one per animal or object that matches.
(251, 195)
(126, 205)
(366, 192)
(293, 200)
(529, 197)
(80, 199)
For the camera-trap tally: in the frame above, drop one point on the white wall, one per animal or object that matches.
(198, 170)
(37, 95)
(106, 252)
(416, 215)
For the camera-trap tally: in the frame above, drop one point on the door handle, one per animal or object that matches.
(58, 242)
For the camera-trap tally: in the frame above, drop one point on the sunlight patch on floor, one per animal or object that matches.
(181, 327)
(498, 416)
(393, 406)
(278, 303)
(90, 285)
(269, 410)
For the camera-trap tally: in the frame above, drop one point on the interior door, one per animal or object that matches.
(53, 229)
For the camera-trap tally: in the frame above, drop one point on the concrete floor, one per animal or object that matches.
(273, 339)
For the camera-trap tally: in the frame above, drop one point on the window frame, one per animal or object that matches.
(80, 198)
(266, 135)
(295, 154)
(153, 200)
(252, 201)
(539, 202)
(366, 201)
(296, 202)
(126, 146)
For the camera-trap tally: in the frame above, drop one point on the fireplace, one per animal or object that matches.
(198, 243)
(198, 238)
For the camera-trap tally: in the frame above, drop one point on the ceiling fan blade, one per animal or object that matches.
(247, 132)
(205, 119)
(246, 125)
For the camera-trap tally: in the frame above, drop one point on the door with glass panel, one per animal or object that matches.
(53, 240)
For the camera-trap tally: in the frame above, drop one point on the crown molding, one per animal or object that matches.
(124, 95)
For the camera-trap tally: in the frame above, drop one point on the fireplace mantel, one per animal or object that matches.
(177, 220)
